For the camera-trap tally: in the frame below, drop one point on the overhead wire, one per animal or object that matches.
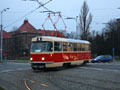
(44, 6)
(41, 5)
(21, 17)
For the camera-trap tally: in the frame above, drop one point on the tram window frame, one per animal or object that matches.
(83, 47)
(47, 46)
(79, 47)
(65, 46)
(87, 47)
(70, 47)
(75, 47)
(58, 47)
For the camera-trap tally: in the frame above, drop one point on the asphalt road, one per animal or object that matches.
(97, 76)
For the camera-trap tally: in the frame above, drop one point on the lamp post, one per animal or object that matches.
(118, 32)
(1, 47)
(76, 19)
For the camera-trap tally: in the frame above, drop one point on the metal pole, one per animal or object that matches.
(77, 27)
(1, 48)
(113, 52)
(1, 36)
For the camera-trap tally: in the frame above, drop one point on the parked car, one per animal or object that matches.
(103, 58)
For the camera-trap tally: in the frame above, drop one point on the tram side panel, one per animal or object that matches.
(58, 59)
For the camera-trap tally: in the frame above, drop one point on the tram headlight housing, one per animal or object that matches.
(31, 59)
(43, 58)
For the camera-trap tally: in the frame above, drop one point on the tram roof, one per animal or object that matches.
(58, 39)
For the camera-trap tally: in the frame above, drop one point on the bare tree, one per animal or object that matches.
(85, 21)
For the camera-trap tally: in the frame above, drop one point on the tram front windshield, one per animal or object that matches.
(41, 46)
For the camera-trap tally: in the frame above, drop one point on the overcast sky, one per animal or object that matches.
(102, 11)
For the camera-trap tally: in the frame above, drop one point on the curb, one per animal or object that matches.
(17, 61)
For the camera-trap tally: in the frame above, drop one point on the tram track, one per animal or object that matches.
(26, 84)
(14, 81)
(54, 77)
(38, 80)
(44, 77)
(72, 78)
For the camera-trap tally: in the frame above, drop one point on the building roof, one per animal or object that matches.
(26, 27)
(6, 34)
(42, 32)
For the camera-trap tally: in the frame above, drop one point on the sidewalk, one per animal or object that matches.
(17, 61)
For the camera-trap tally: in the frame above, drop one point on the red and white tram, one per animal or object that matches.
(49, 52)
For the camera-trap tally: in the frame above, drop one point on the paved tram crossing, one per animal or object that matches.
(97, 76)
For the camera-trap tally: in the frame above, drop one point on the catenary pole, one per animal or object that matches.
(1, 44)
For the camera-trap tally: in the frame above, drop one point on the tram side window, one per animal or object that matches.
(50, 46)
(70, 47)
(58, 46)
(83, 47)
(74, 47)
(65, 46)
(87, 47)
(79, 47)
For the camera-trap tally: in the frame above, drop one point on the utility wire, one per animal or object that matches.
(41, 5)
(21, 12)
(44, 6)
(21, 17)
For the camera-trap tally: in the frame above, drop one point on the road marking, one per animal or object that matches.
(25, 82)
(32, 81)
(4, 71)
(19, 69)
(43, 85)
(99, 69)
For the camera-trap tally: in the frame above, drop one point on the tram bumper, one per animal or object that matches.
(39, 65)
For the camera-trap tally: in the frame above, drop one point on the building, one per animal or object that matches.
(6, 43)
(16, 44)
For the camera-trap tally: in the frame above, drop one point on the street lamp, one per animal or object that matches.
(76, 19)
(1, 48)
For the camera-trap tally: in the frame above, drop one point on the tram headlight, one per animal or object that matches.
(31, 59)
(43, 58)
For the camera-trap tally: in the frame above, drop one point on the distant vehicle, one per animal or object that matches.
(102, 58)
